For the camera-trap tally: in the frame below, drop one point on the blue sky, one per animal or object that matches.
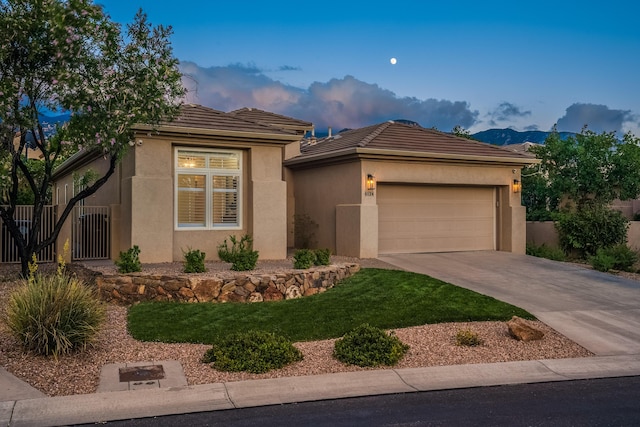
(481, 65)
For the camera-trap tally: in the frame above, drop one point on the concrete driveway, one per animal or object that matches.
(599, 311)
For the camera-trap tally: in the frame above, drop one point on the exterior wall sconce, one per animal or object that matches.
(371, 182)
(517, 186)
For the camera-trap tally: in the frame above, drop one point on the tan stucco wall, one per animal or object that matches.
(268, 198)
(544, 232)
(335, 197)
(633, 235)
(628, 207)
(357, 230)
(317, 193)
(263, 196)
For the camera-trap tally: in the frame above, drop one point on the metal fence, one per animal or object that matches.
(91, 233)
(24, 216)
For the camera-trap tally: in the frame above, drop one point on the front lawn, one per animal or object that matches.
(384, 298)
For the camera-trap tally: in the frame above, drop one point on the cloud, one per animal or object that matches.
(598, 118)
(235, 86)
(341, 103)
(507, 111)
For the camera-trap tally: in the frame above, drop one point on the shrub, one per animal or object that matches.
(624, 255)
(303, 258)
(369, 346)
(53, 315)
(129, 262)
(466, 337)
(252, 351)
(619, 257)
(601, 261)
(323, 256)
(194, 261)
(544, 251)
(591, 228)
(241, 254)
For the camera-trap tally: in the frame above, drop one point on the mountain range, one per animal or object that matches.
(510, 136)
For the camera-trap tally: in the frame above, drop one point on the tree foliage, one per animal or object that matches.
(576, 182)
(68, 56)
(462, 132)
(589, 168)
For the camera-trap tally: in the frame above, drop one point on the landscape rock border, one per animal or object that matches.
(126, 289)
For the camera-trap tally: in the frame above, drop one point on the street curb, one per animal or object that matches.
(120, 405)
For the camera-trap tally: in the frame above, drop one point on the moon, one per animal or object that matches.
(393, 61)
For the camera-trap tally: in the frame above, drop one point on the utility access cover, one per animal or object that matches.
(141, 373)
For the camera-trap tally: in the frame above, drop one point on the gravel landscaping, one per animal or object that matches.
(430, 345)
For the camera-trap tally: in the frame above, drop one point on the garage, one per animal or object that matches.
(422, 218)
(401, 188)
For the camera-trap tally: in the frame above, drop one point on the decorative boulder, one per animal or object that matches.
(522, 330)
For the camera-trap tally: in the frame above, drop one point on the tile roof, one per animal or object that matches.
(272, 119)
(402, 137)
(200, 117)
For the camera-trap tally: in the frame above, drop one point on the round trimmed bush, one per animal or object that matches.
(369, 346)
(54, 314)
(253, 351)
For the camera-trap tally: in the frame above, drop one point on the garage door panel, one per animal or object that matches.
(436, 226)
(435, 219)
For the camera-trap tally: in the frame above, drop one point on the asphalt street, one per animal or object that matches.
(600, 402)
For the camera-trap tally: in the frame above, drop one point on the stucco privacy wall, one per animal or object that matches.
(317, 193)
(351, 211)
(544, 233)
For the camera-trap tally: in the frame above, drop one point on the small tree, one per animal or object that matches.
(68, 56)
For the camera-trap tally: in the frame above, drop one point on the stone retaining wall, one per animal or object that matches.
(135, 287)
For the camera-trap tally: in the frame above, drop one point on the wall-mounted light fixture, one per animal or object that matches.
(517, 186)
(371, 182)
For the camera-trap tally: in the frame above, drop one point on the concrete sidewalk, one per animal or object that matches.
(101, 407)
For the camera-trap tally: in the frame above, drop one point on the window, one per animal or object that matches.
(208, 189)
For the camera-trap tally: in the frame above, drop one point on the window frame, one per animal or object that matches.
(209, 174)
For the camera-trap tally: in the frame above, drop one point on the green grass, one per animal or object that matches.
(382, 298)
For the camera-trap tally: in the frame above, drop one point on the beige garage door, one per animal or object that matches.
(435, 218)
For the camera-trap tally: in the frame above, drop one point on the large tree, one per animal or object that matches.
(69, 56)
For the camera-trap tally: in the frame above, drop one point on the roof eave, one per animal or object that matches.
(285, 138)
(381, 153)
(75, 161)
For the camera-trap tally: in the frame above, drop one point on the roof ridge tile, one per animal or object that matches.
(379, 129)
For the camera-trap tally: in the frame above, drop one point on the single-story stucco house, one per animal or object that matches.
(386, 188)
